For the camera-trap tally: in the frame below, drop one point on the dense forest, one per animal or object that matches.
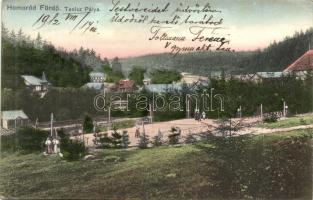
(22, 55)
(72, 103)
(235, 93)
(276, 57)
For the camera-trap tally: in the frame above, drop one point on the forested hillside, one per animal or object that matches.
(279, 55)
(276, 57)
(23, 55)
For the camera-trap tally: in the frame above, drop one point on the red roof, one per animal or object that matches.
(127, 84)
(304, 63)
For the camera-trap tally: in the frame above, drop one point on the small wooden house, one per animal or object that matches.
(14, 119)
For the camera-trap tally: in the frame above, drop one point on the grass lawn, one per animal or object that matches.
(186, 172)
(290, 122)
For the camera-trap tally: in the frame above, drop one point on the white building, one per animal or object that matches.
(191, 79)
(38, 85)
(97, 77)
(14, 119)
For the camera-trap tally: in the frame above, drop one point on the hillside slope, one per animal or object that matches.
(261, 167)
(276, 57)
(21, 55)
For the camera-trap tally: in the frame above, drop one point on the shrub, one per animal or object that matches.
(88, 124)
(270, 168)
(125, 139)
(271, 118)
(75, 150)
(105, 141)
(71, 149)
(116, 139)
(161, 76)
(173, 138)
(303, 122)
(143, 141)
(190, 139)
(157, 140)
(25, 139)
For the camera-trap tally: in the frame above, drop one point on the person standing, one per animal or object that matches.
(137, 132)
(49, 145)
(203, 115)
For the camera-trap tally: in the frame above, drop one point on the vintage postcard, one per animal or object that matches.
(164, 99)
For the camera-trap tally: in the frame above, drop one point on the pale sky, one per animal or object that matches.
(251, 24)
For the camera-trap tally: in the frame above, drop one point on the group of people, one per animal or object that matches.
(53, 145)
(199, 116)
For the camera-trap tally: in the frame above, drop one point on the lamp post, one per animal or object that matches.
(211, 98)
(50, 141)
(239, 109)
(51, 124)
(284, 107)
(150, 107)
(109, 120)
(95, 132)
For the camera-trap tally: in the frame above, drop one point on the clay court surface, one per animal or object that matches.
(187, 126)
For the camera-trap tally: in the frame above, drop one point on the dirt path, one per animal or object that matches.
(257, 130)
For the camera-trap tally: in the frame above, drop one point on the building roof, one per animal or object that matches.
(126, 83)
(96, 86)
(190, 79)
(245, 76)
(304, 63)
(13, 114)
(216, 73)
(270, 74)
(160, 88)
(32, 80)
(97, 74)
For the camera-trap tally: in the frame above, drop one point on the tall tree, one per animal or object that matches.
(88, 124)
(137, 75)
(116, 65)
(106, 62)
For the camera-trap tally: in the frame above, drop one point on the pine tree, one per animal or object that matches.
(12, 37)
(88, 124)
(116, 139)
(173, 138)
(4, 31)
(106, 62)
(190, 139)
(38, 38)
(105, 141)
(143, 141)
(157, 141)
(125, 139)
(116, 65)
(20, 36)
